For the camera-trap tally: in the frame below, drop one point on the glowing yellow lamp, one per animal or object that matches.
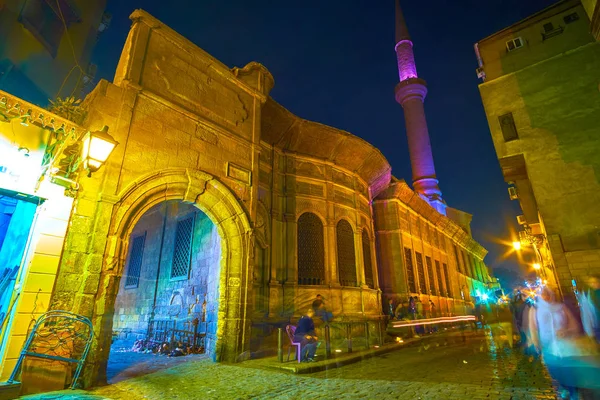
(537, 266)
(516, 245)
(97, 147)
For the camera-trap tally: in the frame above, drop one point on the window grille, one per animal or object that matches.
(465, 263)
(135, 261)
(410, 270)
(447, 280)
(458, 266)
(183, 248)
(345, 254)
(508, 127)
(431, 274)
(366, 247)
(421, 272)
(440, 280)
(311, 250)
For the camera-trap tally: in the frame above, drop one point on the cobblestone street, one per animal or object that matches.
(445, 369)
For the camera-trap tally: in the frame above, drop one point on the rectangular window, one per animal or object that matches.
(467, 264)
(507, 124)
(438, 270)
(134, 268)
(421, 272)
(458, 264)
(571, 18)
(182, 253)
(431, 274)
(410, 270)
(447, 280)
(514, 44)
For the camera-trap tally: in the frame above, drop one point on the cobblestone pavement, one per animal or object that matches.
(446, 369)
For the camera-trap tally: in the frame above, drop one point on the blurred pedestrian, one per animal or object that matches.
(589, 305)
(518, 309)
(391, 309)
(571, 358)
(320, 311)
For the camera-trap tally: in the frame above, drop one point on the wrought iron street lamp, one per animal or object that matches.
(96, 148)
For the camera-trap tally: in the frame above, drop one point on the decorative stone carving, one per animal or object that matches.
(240, 174)
(310, 169)
(189, 86)
(342, 178)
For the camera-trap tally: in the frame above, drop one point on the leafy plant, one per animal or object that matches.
(68, 108)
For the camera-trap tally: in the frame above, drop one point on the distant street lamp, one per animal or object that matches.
(537, 266)
(516, 245)
(97, 147)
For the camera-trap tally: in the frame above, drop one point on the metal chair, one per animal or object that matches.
(291, 330)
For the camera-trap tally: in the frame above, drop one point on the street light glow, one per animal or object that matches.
(516, 245)
(537, 266)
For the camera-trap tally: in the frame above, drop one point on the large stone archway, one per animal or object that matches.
(224, 210)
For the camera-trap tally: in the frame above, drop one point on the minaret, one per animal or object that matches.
(410, 93)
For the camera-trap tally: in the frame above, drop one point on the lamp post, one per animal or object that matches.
(97, 147)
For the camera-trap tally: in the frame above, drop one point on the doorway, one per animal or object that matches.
(167, 303)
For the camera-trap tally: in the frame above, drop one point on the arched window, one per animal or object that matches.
(367, 259)
(311, 250)
(345, 254)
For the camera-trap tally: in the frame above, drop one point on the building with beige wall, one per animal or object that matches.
(46, 47)
(540, 94)
(218, 204)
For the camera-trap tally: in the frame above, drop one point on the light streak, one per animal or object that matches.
(440, 320)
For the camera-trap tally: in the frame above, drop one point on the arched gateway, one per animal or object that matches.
(215, 200)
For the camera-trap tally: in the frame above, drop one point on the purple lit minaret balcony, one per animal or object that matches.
(410, 93)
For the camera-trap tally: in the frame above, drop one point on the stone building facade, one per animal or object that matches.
(540, 94)
(282, 208)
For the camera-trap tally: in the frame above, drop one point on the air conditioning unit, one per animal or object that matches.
(480, 73)
(521, 220)
(512, 193)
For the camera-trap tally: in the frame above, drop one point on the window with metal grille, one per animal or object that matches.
(311, 250)
(345, 254)
(508, 127)
(440, 281)
(366, 247)
(182, 253)
(465, 260)
(421, 272)
(134, 268)
(431, 274)
(410, 270)
(458, 265)
(447, 280)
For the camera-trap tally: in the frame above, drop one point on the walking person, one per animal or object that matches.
(571, 358)
(320, 311)
(589, 305)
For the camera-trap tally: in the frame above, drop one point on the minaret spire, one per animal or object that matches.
(401, 29)
(410, 93)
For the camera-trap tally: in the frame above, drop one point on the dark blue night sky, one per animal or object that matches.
(333, 62)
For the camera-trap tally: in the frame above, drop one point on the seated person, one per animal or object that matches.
(305, 334)
(320, 311)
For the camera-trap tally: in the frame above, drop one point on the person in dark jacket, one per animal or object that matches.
(305, 334)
